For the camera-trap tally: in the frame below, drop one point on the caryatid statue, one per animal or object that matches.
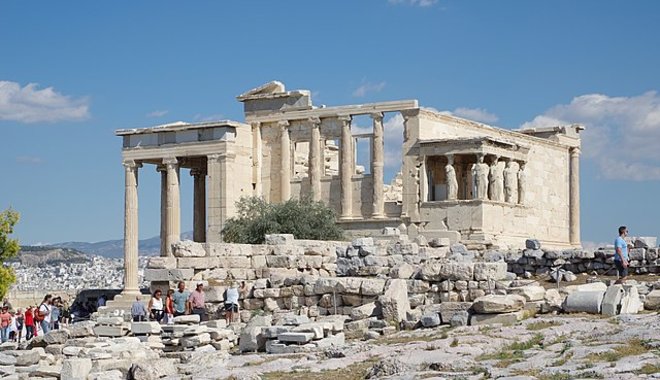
(452, 182)
(480, 175)
(510, 182)
(496, 186)
(522, 182)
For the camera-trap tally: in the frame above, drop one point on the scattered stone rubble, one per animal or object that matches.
(304, 297)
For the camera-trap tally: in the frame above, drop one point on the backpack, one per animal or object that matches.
(38, 315)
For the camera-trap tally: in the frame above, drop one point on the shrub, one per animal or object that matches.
(304, 219)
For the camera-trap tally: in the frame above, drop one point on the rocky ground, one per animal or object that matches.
(547, 347)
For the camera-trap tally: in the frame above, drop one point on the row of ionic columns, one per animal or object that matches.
(170, 209)
(346, 165)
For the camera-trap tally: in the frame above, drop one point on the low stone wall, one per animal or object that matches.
(643, 259)
(315, 278)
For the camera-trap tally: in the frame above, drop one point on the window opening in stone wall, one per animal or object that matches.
(363, 155)
(331, 158)
(301, 160)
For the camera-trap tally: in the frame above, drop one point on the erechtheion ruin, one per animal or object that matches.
(460, 179)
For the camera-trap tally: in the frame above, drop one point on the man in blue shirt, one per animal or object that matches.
(180, 300)
(621, 257)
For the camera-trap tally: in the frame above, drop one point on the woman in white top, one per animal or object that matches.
(156, 306)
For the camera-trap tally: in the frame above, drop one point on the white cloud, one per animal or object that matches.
(31, 160)
(418, 3)
(367, 88)
(157, 113)
(622, 133)
(29, 104)
(477, 114)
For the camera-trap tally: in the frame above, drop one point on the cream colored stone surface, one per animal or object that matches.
(504, 186)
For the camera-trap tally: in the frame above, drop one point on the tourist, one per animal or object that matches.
(65, 314)
(231, 302)
(621, 255)
(55, 314)
(12, 327)
(169, 307)
(5, 302)
(5, 323)
(197, 302)
(156, 306)
(43, 314)
(20, 322)
(180, 298)
(29, 323)
(138, 310)
(101, 301)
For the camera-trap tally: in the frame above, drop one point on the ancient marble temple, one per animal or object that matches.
(461, 179)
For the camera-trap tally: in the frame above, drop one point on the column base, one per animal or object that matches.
(378, 216)
(349, 217)
(130, 293)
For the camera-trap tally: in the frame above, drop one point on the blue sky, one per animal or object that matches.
(71, 73)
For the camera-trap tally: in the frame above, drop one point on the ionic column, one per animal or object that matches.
(285, 161)
(131, 228)
(173, 225)
(257, 156)
(574, 196)
(346, 168)
(199, 205)
(377, 166)
(163, 209)
(315, 159)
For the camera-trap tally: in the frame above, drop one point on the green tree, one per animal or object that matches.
(8, 248)
(305, 219)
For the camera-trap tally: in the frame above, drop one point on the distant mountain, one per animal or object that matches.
(114, 249)
(34, 256)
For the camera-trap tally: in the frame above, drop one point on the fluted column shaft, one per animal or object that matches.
(315, 160)
(131, 228)
(285, 161)
(163, 209)
(574, 200)
(199, 205)
(257, 156)
(173, 225)
(346, 168)
(377, 166)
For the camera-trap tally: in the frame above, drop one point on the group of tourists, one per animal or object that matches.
(34, 320)
(182, 302)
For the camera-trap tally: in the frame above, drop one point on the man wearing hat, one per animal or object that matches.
(197, 302)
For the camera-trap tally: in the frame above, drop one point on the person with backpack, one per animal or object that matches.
(42, 315)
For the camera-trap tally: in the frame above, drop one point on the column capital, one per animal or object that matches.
(376, 116)
(450, 159)
(283, 124)
(345, 118)
(161, 168)
(131, 164)
(575, 151)
(255, 124)
(170, 161)
(407, 114)
(314, 121)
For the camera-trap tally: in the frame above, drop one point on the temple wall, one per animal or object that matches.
(545, 213)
